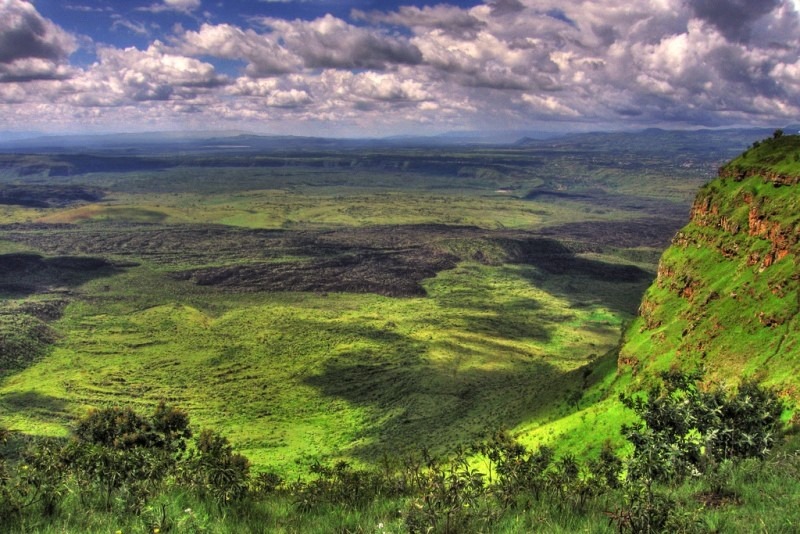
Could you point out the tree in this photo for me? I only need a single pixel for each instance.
(215, 470)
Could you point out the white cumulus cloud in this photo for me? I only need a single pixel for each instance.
(499, 64)
(31, 47)
(330, 42)
(263, 55)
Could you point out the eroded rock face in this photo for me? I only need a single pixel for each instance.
(761, 222)
(727, 294)
(775, 178)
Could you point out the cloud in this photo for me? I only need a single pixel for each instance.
(125, 76)
(134, 27)
(31, 69)
(656, 60)
(88, 9)
(264, 56)
(443, 17)
(506, 7)
(733, 18)
(548, 106)
(184, 6)
(499, 64)
(272, 92)
(373, 86)
(31, 47)
(330, 42)
(487, 60)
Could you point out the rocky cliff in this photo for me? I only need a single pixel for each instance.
(727, 294)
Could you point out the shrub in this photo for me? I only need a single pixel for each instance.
(118, 451)
(8, 503)
(684, 428)
(518, 471)
(450, 498)
(341, 485)
(215, 470)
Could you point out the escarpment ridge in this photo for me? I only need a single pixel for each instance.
(727, 293)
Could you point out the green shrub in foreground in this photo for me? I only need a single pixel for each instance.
(685, 430)
(144, 474)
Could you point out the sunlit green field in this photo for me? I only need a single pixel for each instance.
(327, 207)
(292, 377)
(500, 340)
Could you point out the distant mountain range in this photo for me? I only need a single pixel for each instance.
(240, 141)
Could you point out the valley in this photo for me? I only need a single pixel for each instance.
(313, 305)
(497, 308)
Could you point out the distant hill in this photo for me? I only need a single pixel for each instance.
(656, 141)
(229, 141)
(728, 141)
(727, 295)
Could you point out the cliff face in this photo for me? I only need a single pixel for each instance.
(727, 294)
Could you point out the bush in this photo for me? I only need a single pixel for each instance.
(8, 504)
(450, 497)
(215, 470)
(117, 451)
(686, 430)
(122, 428)
(683, 428)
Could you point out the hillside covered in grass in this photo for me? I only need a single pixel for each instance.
(727, 295)
(315, 305)
(347, 373)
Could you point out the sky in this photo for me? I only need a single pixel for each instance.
(362, 68)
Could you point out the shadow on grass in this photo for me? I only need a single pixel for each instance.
(25, 335)
(583, 283)
(466, 385)
(23, 274)
(552, 257)
(553, 267)
(586, 291)
(514, 319)
(35, 406)
(420, 404)
(442, 393)
(32, 401)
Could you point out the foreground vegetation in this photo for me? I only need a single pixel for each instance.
(694, 454)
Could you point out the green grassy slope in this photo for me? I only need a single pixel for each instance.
(294, 376)
(727, 294)
(726, 298)
(287, 355)
(509, 337)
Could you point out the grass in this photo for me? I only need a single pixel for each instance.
(739, 496)
(727, 297)
(498, 342)
(778, 154)
(295, 377)
(331, 207)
